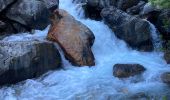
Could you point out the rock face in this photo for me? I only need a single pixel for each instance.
(5, 28)
(73, 37)
(150, 13)
(93, 7)
(166, 77)
(136, 9)
(4, 4)
(31, 13)
(24, 60)
(51, 4)
(135, 31)
(125, 4)
(163, 24)
(127, 70)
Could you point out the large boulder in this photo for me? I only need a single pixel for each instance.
(4, 4)
(24, 60)
(73, 37)
(127, 70)
(166, 77)
(135, 31)
(32, 13)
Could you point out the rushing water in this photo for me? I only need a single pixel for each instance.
(95, 83)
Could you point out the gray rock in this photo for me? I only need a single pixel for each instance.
(8, 27)
(4, 4)
(136, 9)
(135, 31)
(163, 23)
(125, 4)
(31, 13)
(93, 7)
(24, 60)
(5, 28)
(51, 4)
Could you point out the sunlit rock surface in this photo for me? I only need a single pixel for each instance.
(74, 38)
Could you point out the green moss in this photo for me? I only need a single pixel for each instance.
(164, 98)
(166, 23)
(161, 3)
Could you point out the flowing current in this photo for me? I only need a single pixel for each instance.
(98, 82)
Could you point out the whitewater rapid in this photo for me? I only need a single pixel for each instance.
(97, 82)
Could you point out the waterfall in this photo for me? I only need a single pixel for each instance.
(94, 83)
(156, 39)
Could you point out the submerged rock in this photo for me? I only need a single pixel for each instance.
(73, 37)
(127, 70)
(31, 13)
(23, 60)
(166, 77)
(135, 31)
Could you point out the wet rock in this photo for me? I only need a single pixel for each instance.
(166, 77)
(127, 70)
(23, 60)
(73, 37)
(135, 31)
(4, 4)
(31, 13)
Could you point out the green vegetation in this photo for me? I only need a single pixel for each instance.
(161, 3)
(166, 23)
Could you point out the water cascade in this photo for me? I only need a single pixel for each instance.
(97, 82)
